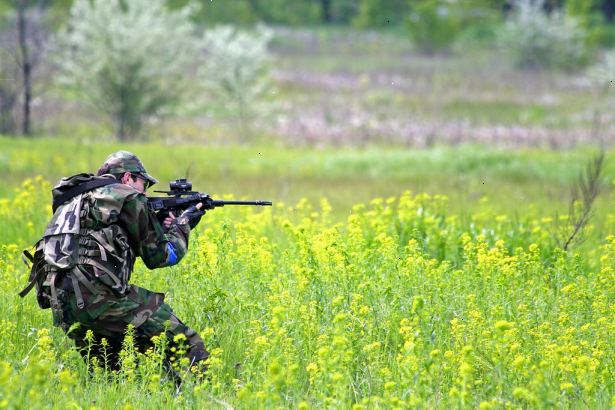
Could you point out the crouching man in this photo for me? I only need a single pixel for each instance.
(83, 264)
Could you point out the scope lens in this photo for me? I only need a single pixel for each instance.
(180, 185)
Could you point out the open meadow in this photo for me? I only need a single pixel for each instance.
(413, 257)
(392, 299)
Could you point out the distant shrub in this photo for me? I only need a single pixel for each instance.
(380, 13)
(590, 16)
(279, 12)
(285, 12)
(435, 25)
(602, 74)
(606, 35)
(138, 60)
(341, 11)
(128, 58)
(236, 11)
(537, 39)
(236, 72)
(476, 36)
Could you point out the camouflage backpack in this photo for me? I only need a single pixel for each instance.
(58, 250)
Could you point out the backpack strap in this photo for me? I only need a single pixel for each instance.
(81, 188)
(56, 307)
(34, 276)
(37, 275)
(27, 256)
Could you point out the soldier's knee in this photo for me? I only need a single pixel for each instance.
(193, 338)
(196, 351)
(193, 344)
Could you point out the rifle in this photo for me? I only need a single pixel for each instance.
(181, 196)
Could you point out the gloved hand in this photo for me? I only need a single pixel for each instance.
(191, 216)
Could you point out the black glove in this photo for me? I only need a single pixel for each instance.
(192, 216)
(161, 216)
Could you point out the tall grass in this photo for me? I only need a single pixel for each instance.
(345, 176)
(401, 303)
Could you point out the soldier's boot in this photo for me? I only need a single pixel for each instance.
(193, 349)
(197, 353)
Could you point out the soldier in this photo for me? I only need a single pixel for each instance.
(82, 266)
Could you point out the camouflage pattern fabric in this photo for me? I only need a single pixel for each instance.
(109, 316)
(115, 227)
(60, 240)
(124, 161)
(123, 206)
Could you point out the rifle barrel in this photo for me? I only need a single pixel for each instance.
(258, 203)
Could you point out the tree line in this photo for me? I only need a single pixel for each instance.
(130, 61)
(123, 68)
(365, 13)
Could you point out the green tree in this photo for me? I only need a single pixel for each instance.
(338, 11)
(435, 24)
(235, 12)
(129, 59)
(325, 11)
(236, 73)
(539, 39)
(380, 13)
(592, 17)
(608, 9)
(298, 12)
(24, 36)
(295, 13)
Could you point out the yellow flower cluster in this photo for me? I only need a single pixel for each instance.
(400, 304)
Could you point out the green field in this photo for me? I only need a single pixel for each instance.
(344, 175)
(454, 296)
(423, 250)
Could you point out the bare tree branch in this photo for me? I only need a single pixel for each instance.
(584, 192)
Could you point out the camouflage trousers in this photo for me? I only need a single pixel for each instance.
(108, 316)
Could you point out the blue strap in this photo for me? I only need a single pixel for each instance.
(172, 258)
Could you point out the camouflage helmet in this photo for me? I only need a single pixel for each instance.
(124, 161)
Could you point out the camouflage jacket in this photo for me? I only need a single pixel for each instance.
(115, 226)
(119, 225)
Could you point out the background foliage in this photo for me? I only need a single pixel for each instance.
(175, 79)
(127, 59)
